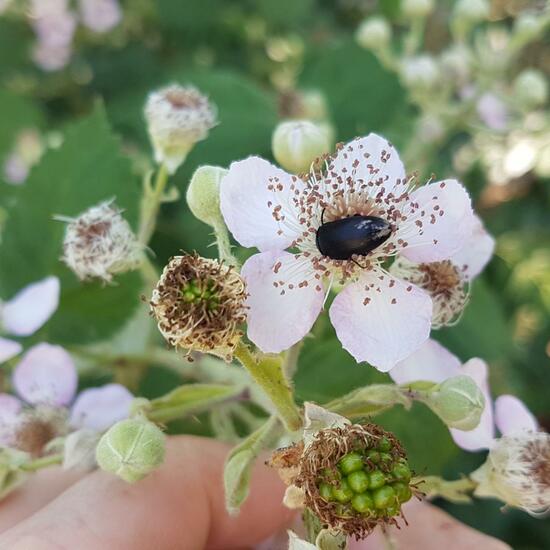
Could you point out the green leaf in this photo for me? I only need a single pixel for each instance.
(238, 467)
(86, 170)
(190, 399)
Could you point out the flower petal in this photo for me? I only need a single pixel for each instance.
(9, 349)
(99, 408)
(431, 362)
(317, 419)
(31, 307)
(250, 194)
(10, 407)
(381, 320)
(371, 159)
(476, 252)
(46, 374)
(511, 416)
(296, 543)
(280, 315)
(441, 222)
(481, 437)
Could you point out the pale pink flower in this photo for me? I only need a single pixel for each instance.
(447, 281)
(100, 15)
(26, 312)
(377, 317)
(434, 363)
(45, 381)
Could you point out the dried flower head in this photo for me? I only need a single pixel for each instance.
(100, 243)
(353, 477)
(199, 304)
(517, 471)
(177, 118)
(37, 427)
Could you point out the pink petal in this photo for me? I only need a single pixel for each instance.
(8, 349)
(381, 320)
(99, 408)
(371, 159)
(476, 252)
(482, 436)
(31, 307)
(492, 111)
(441, 235)
(249, 194)
(280, 316)
(431, 362)
(10, 407)
(511, 415)
(46, 374)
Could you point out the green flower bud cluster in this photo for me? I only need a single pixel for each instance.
(370, 482)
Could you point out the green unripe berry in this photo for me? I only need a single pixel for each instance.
(330, 474)
(384, 497)
(351, 463)
(373, 456)
(376, 479)
(386, 458)
(362, 503)
(325, 490)
(384, 444)
(342, 493)
(402, 491)
(131, 449)
(358, 481)
(401, 472)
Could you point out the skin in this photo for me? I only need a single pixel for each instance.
(181, 505)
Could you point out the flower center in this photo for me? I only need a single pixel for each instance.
(197, 292)
(441, 278)
(89, 232)
(181, 99)
(34, 434)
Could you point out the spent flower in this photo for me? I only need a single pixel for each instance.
(100, 243)
(378, 317)
(199, 304)
(177, 118)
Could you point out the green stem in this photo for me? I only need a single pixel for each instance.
(150, 205)
(414, 37)
(43, 462)
(267, 372)
(149, 271)
(224, 244)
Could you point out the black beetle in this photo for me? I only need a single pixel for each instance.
(343, 238)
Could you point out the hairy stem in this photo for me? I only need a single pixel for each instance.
(43, 462)
(150, 205)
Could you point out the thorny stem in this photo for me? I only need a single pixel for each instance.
(44, 462)
(150, 205)
(224, 244)
(267, 372)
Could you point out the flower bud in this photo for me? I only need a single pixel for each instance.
(417, 8)
(458, 401)
(203, 194)
(373, 33)
(516, 471)
(131, 449)
(528, 26)
(531, 88)
(296, 144)
(100, 243)
(471, 11)
(420, 73)
(199, 304)
(177, 118)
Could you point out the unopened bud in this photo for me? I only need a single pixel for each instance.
(420, 73)
(131, 449)
(297, 144)
(100, 243)
(458, 401)
(373, 33)
(203, 194)
(177, 118)
(531, 88)
(471, 11)
(516, 472)
(528, 26)
(417, 8)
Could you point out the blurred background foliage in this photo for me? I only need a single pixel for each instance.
(249, 57)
